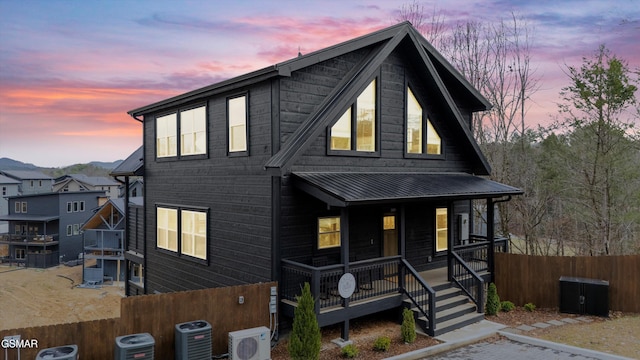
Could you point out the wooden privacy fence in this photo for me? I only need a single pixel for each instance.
(524, 278)
(157, 314)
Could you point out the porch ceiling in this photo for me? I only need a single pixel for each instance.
(348, 188)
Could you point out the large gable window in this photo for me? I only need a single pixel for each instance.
(356, 128)
(417, 123)
(237, 122)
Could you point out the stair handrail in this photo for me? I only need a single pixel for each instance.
(479, 301)
(430, 312)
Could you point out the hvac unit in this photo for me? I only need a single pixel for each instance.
(67, 352)
(193, 340)
(250, 344)
(134, 346)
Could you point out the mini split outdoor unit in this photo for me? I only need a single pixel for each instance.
(250, 344)
(193, 340)
(134, 346)
(66, 352)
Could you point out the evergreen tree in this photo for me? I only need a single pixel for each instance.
(493, 301)
(305, 340)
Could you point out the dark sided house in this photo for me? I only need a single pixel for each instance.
(352, 168)
(45, 229)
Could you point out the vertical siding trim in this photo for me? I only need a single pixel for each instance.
(275, 116)
(275, 227)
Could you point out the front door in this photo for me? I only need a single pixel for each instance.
(389, 235)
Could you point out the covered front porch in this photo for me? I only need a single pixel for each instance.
(391, 231)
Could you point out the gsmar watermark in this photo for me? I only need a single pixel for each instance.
(16, 342)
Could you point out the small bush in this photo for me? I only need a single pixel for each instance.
(408, 328)
(507, 306)
(382, 343)
(305, 340)
(350, 351)
(493, 300)
(529, 307)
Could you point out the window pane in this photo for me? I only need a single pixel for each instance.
(194, 233)
(389, 222)
(167, 225)
(328, 232)
(341, 132)
(193, 129)
(434, 144)
(237, 124)
(441, 229)
(366, 117)
(166, 135)
(414, 124)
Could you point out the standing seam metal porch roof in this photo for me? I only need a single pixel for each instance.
(347, 188)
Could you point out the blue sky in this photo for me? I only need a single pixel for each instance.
(70, 70)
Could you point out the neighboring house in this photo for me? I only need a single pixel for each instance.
(103, 235)
(45, 228)
(8, 187)
(133, 168)
(31, 182)
(354, 165)
(136, 188)
(82, 182)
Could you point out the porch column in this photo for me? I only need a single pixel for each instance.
(490, 237)
(344, 254)
(450, 222)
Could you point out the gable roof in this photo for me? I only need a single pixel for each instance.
(103, 212)
(7, 180)
(26, 175)
(133, 165)
(87, 180)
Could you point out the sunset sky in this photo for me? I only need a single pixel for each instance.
(70, 70)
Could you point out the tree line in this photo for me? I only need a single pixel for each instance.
(581, 174)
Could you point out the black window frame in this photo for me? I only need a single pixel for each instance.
(179, 156)
(242, 153)
(178, 253)
(426, 116)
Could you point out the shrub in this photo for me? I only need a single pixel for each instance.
(382, 343)
(529, 307)
(493, 300)
(507, 306)
(408, 328)
(350, 351)
(305, 337)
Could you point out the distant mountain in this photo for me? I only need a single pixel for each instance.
(10, 164)
(94, 168)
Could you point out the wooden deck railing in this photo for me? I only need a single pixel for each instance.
(468, 280)
(420, 293)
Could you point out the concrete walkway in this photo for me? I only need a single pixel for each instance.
(467, 343)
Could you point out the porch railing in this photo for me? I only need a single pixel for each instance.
(468, 280)
(475, 254)
(374, 277)
(420, 293)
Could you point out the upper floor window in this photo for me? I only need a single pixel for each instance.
(166, 136)
(417, 123)
(328, 232)
(4, 190)
(237, 123)
(356, 128)
(193, 131)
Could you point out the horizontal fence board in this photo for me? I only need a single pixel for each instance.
(524, 278)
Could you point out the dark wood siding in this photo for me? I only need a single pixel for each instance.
(235, 190)
(136, 229)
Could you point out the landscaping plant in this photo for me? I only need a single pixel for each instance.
(305, 340)
(493, 300)
(408, 328)
(507, 306)
(350, 351)
(382, 343)
(529, 307)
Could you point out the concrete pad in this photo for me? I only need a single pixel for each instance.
(341, 342)
(541, 325)
(512, 330)
(556, 322)
(525, 328)
(570, 321)
(479, 329)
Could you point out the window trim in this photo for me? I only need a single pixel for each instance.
(245, 152)
(178, 126)
(178, 252)
(426, 117)
(24, 207)
(353, 106)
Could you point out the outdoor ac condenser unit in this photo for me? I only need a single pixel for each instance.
(193, 340)
(250, 344)
(66, 352)
(135, 346)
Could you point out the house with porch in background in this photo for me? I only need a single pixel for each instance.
(352, 168)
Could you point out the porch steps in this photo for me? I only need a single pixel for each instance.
(454, 309)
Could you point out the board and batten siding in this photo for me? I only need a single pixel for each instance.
(235, 190)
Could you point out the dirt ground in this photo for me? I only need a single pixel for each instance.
(34, 297)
